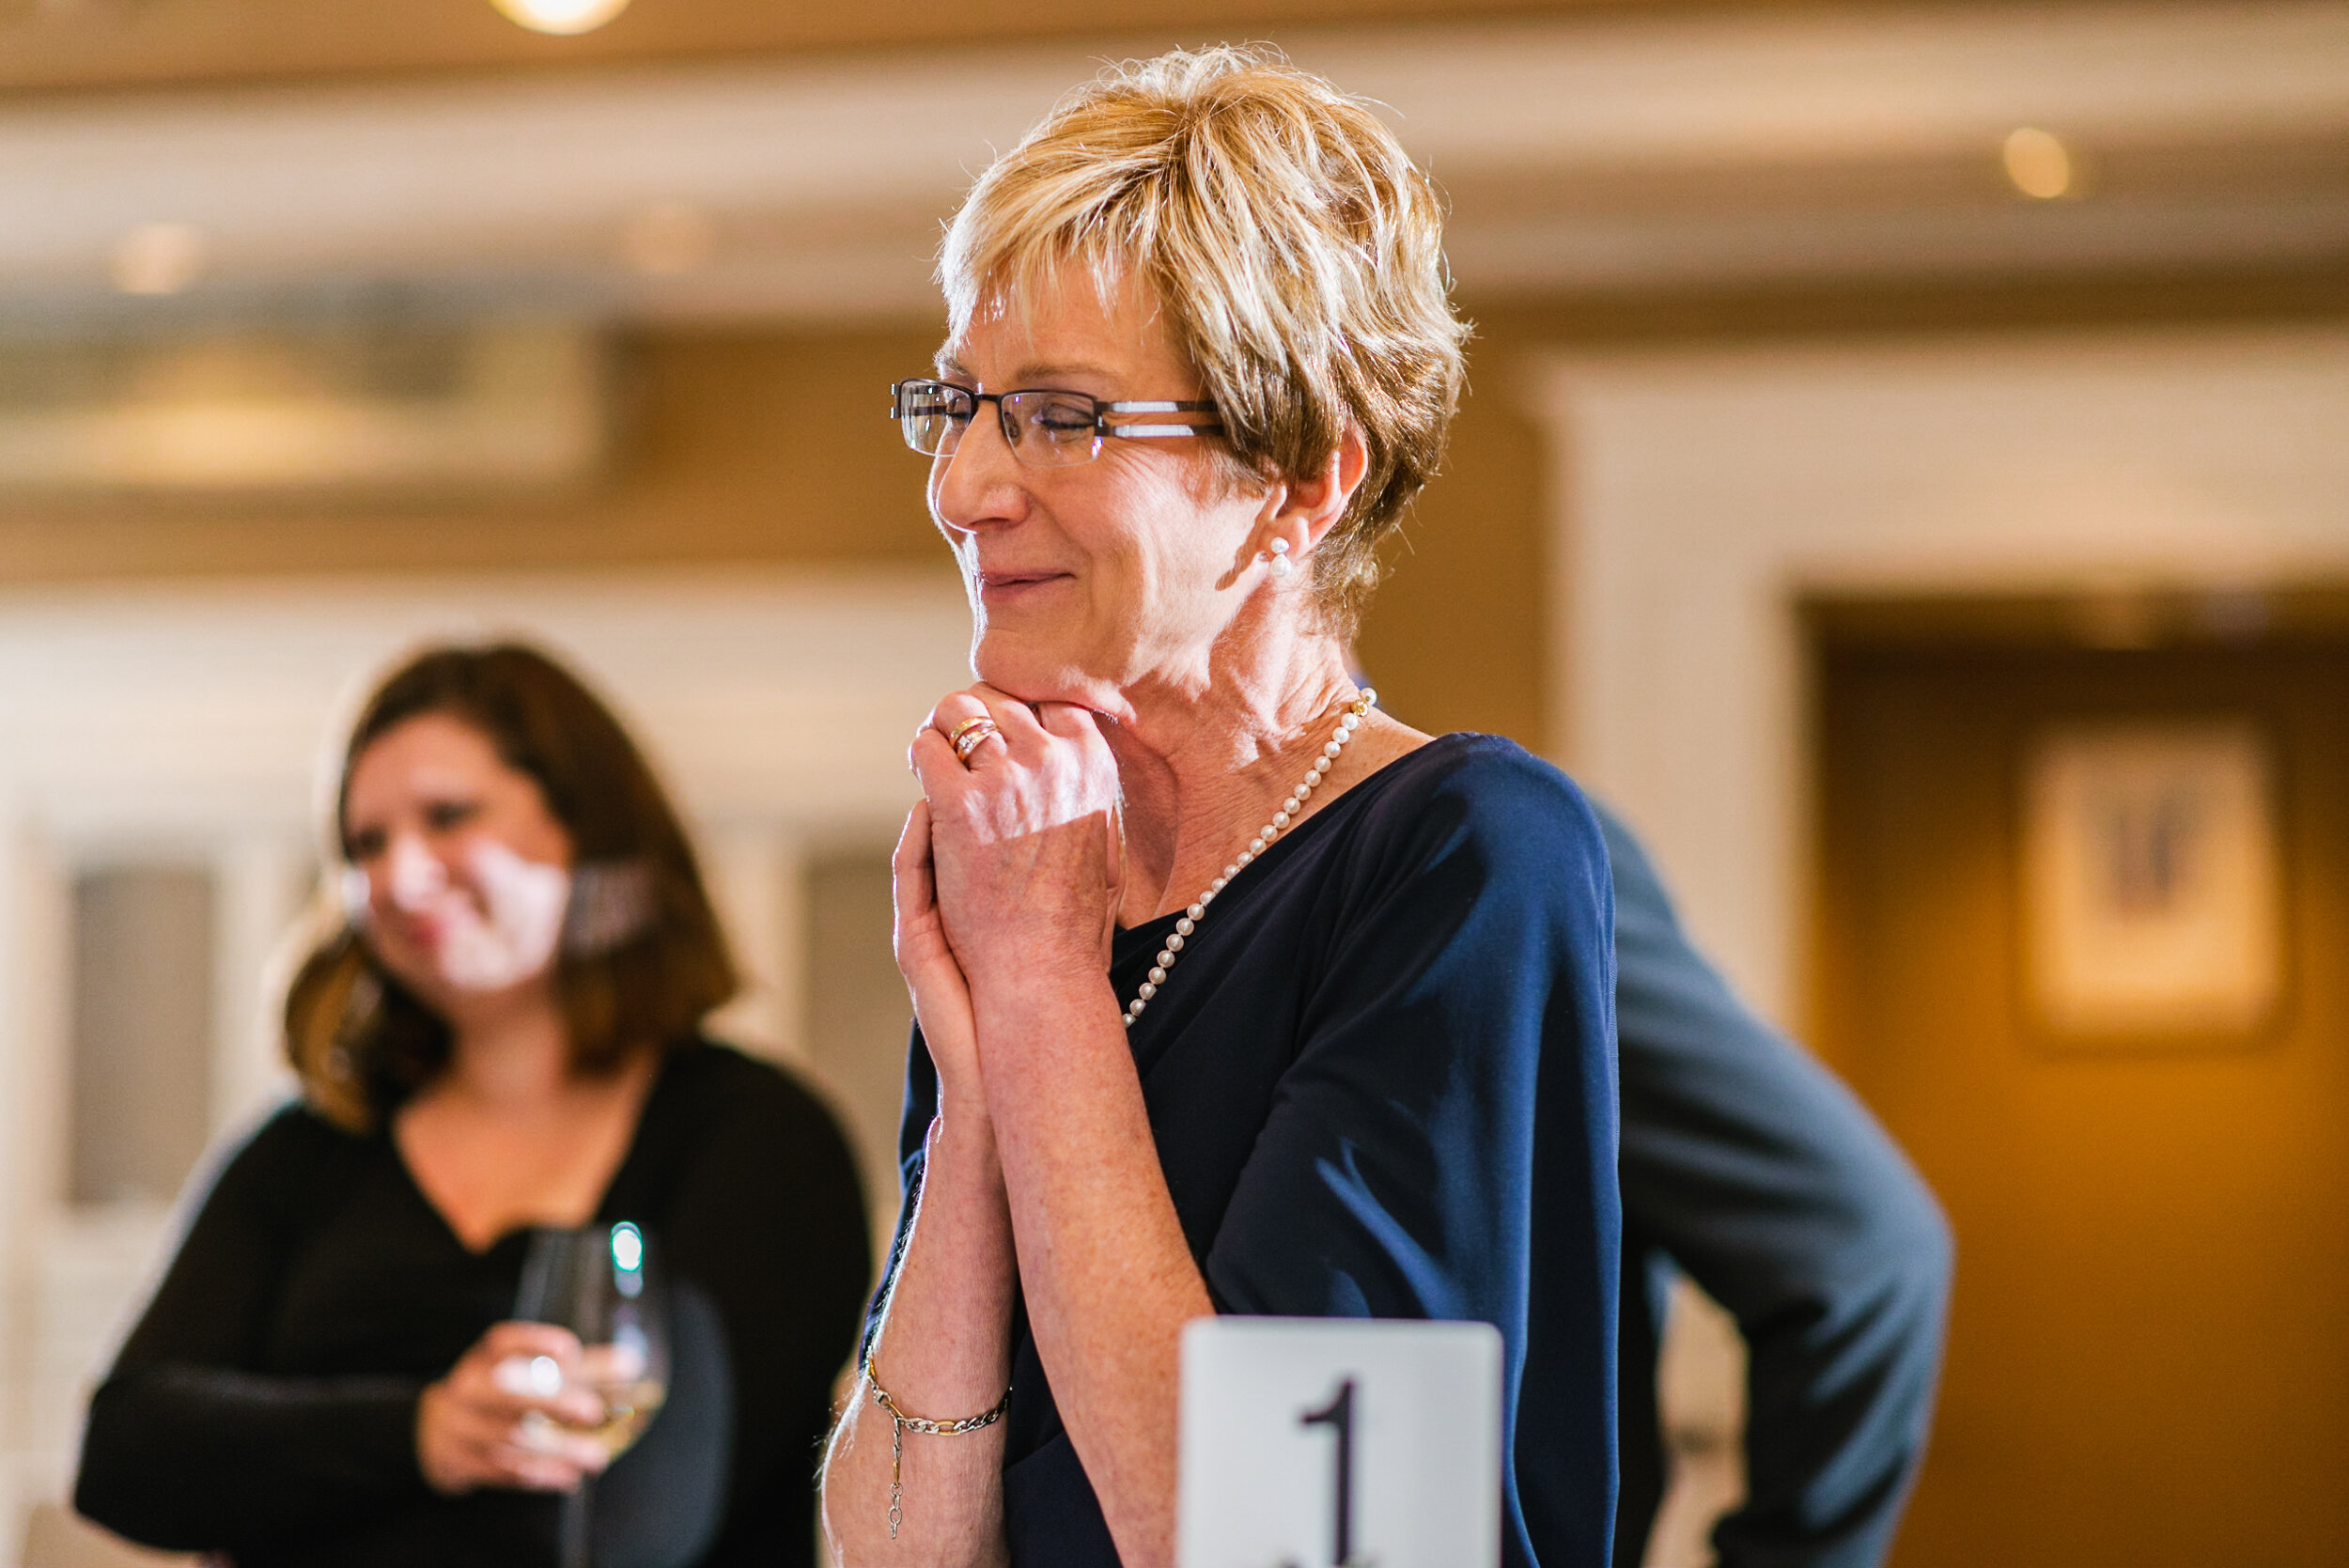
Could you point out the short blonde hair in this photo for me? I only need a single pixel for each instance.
(1296, 249)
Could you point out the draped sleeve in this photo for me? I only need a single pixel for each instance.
(1443, 1144)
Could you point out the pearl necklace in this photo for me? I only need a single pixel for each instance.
(1352, 721)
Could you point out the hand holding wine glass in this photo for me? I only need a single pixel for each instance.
(471, 1424)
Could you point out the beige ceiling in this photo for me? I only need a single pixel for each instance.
(67, 44)
(1615, 152)
(1612, 151)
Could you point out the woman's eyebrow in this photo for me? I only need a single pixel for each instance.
(1042, 373)
(1045, 373)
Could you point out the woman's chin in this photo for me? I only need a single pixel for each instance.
(1016, 667)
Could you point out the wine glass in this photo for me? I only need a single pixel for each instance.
(603, 1285)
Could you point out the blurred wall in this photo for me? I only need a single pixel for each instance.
(768, 447)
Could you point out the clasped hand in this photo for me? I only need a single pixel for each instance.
(1009, 870)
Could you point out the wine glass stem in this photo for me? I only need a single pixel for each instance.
(578, 1526)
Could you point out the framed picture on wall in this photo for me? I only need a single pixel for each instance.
(2152, 907)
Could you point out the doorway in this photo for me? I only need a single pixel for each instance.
(2149, 1350)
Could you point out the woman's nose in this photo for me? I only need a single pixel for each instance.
(412, 874)
(979, 482)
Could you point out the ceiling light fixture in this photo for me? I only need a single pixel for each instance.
(157, 258)
(2038, 163)
(561, 17)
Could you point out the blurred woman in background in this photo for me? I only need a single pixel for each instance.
(501, 1035)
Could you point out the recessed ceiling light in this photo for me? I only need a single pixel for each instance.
(563, 16)
(668, 238)
(157, 258)
(2038, 163)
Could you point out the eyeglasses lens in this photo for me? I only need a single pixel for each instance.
(933, 414)
(1050, 430)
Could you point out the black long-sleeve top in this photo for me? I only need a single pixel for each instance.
(1747, 1164)
(265, 1405)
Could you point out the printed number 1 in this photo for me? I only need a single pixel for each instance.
(1338, 1415)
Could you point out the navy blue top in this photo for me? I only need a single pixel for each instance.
(1382, 1084)
(1747, 1164)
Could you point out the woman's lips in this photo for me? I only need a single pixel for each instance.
(1010, 587)
(423, 933)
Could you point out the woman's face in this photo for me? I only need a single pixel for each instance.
(460, 874)
(1088, 580)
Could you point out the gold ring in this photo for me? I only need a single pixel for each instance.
(969, 736)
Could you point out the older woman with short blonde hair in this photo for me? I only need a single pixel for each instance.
(1232, 993)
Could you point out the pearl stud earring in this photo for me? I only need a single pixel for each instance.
(1281, 565)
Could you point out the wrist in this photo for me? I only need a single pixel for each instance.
(1027, 942)
(1035, 979)
(965, 1142)
(1040, 1022)
(428, 1468)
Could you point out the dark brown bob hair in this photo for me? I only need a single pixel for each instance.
(363, 1043)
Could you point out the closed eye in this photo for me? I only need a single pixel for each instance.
(1063, 417)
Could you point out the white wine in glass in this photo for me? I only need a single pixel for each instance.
(620, 1374)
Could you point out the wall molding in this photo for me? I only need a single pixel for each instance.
(1701, 494)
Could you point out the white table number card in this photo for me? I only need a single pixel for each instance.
(1339, 1443)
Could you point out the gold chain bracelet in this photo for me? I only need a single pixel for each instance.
(900, 1423)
